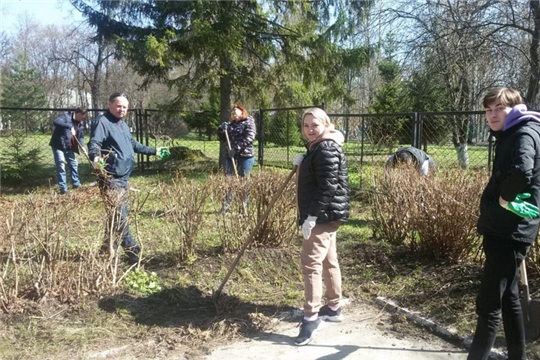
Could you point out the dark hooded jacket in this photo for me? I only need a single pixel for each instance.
(110, 137)
(418, 155)
(61, 138)
(323, 186)
(516, 169)
(241, 135)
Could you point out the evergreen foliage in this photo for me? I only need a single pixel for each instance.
(22, 88)
(19, 161)
(248, 50)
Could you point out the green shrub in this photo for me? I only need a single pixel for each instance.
(18, 160)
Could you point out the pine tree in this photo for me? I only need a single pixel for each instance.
(22, 89)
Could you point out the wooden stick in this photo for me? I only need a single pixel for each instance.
(229, 145)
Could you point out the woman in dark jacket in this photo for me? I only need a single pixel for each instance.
(238, 137)
(323, 204)
(508, 220)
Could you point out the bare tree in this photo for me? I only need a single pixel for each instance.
(452, 38)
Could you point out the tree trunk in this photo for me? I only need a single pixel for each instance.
(225, 88)
(534, 77)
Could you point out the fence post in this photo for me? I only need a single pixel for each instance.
(139, 136)
(417, 133)
(260, 159)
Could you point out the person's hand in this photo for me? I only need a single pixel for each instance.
(231, 153)
(163, 152)
(298, 160)
(99, 162)
(308, 225)
(223, 125)
(522, 208)
(73, 132)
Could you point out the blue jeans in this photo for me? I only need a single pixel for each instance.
(498, 294)
(61, 158)
(243, 167)
(117, 222)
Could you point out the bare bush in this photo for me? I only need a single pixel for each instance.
(434, 216)
(257, 191)
(184, 202)
(391, 204)
(45, 255)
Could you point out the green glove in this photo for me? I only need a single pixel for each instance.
(163, 152)
(99, 162)
(523, 208)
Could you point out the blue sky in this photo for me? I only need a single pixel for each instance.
(45, 12)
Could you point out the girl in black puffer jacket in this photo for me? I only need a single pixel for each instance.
(323, 204)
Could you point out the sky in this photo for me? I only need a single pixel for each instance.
(45, 12)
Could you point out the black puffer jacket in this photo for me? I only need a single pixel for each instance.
(516, 169)
(323, 182)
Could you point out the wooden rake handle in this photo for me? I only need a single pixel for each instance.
(251, 236)
(229, 148)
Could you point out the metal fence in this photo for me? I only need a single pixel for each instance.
(453, 139)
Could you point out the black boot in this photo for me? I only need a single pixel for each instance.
(133, 254)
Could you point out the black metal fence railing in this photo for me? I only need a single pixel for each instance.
(453, 139)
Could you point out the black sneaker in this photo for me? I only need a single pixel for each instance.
(133, 254)
(308, 329)
(327, 314)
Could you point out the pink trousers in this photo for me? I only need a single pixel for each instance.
(320, 264)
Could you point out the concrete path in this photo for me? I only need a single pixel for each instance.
(361, 336)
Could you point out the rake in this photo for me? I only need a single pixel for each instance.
(251, 236)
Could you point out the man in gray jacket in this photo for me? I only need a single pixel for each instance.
(112, 147)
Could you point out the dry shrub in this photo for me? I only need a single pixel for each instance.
(259, 189)
(184, 202)
(434, 216)
(45, 255)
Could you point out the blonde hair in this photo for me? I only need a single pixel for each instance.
(318, 114)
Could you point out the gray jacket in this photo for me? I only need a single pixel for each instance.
(110, 138)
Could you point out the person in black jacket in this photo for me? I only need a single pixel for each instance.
(112, 147)
(413, 157)
(508, 220)
(67, 130)
(323, 204)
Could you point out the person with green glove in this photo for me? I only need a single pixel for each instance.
(508, 220)
(112, 148)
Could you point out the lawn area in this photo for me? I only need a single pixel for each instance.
(69, 300)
